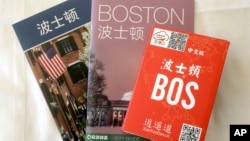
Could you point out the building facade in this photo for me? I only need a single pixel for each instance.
(61, 69)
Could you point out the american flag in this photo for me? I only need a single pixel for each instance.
(52, 63)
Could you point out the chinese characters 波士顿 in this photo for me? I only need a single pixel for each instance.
(121, 33)
(181, 68)
(67, 17)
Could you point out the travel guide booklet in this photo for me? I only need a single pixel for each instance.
(56, 43)
(119, 34)
(176, 86)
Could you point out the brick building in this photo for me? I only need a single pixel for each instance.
(64, 85)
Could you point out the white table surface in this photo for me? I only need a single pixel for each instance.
(24, 115)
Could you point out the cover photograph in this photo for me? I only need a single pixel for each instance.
(56, 45)
(119, 35)
(176, 86)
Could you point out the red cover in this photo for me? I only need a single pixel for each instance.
(176, 86)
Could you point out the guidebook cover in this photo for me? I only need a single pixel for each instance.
(119, 35)
(56, 43)
(176, 86)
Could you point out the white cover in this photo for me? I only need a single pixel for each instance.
(24, 115)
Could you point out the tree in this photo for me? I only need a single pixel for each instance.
(97, 83)
(98, 103)
(84, 51)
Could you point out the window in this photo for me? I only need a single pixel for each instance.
(66, 45)
(32, 59)
(78, 72)
(61, 80)
(46, 46)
